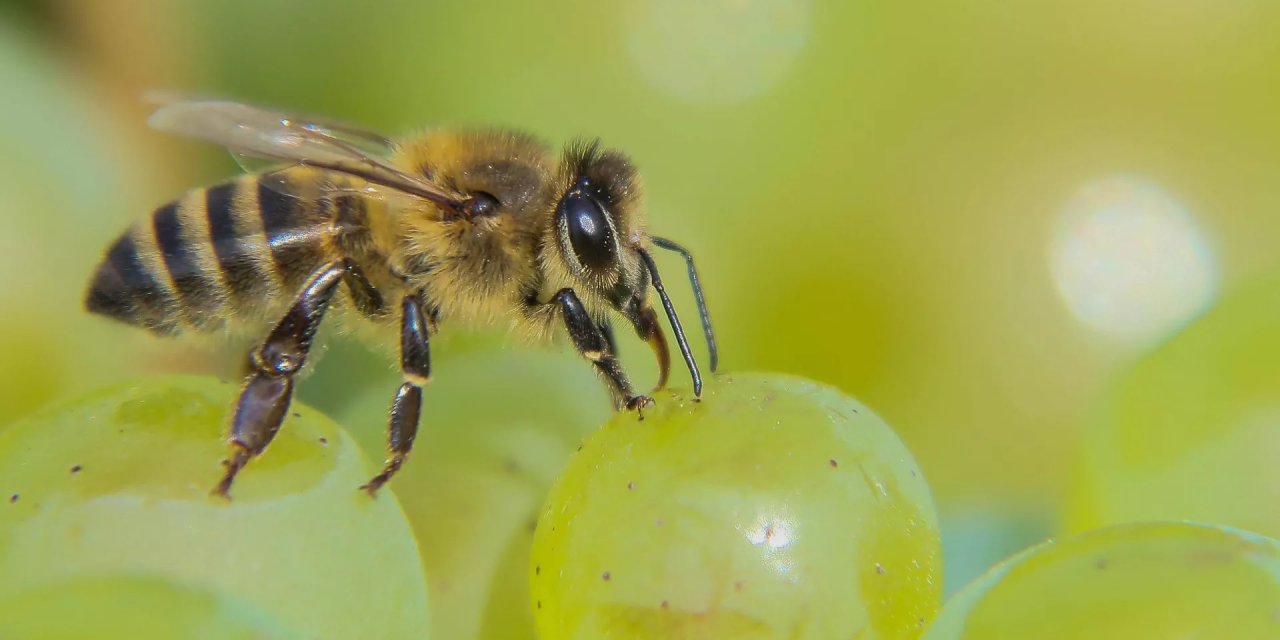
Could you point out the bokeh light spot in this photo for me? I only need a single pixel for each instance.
(1130, 261)
(715, 51)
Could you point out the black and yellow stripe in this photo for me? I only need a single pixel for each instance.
(295, 232)
(237, 249)
(179, 237)
(126, 288)
(235, 259)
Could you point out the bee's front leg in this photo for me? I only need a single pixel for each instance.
(406, 407)
(592, 343)
(264, 401)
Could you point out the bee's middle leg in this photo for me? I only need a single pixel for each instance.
(264, 401)
(593, 344)
(406, 407)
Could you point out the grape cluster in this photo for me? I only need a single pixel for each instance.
(771, 507)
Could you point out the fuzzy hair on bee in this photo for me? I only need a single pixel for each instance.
(443, 227)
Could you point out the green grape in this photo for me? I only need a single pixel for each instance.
(119, 481)
(106, 608)
(497, 428)
(1142, 580)
(772, 508)
(1191, 431)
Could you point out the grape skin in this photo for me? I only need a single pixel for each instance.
(772, 508)
(1143, 580)
(136, 608)
(118, 482)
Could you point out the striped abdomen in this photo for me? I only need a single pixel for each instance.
(239, 249)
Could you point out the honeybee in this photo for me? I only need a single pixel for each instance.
(463, 226)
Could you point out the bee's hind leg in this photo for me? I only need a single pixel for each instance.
(406, 407)
(264, 402)
(595, 346)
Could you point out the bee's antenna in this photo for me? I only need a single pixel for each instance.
(663, 243)
(681, 341)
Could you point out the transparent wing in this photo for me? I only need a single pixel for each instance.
(368, 141)
(254, 135)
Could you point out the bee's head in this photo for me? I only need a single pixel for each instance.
(597, 225)
(600, 243)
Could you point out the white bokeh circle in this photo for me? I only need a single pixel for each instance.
(715, 52)
(1130, 261)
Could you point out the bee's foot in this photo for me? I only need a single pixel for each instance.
(371, 487)
(223, 490)
(233, 467)
(393, 465)
(639, 404)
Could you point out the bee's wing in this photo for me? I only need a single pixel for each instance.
(279, 138)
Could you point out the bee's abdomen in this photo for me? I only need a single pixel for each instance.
(126, 287)
(233, 250)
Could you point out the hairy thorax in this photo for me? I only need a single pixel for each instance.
(471, 272)
(475, 270)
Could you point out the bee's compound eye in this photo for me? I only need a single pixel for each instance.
(481, 204)
(590, 235)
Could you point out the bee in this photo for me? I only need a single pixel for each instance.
(465, 226)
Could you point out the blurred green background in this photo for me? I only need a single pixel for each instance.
(973, 216)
